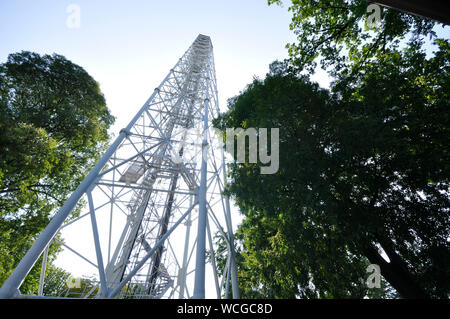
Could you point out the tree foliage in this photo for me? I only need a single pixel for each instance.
(53, 126)
(336, 33)
(363, 167)
(364, 171)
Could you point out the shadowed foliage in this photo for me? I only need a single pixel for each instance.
(53, 126)
(363, 175)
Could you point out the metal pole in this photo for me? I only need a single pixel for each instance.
(98, 251)
(184, 265)
(225, 272)
(199, 282)
(229, 225)
(227, 286)
(111, 213)
(43, 267)
(233, 268)
(213, 259)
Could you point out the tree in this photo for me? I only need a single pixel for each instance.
(335, 33)
(53, 127)
(364, 171)
(285, 253)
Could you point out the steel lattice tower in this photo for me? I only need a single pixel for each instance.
(163, 171)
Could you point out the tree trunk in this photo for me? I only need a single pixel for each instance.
(395, 274)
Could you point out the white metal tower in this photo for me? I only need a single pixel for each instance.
(154, 200)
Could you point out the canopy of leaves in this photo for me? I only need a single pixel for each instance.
(364, 172)
(336, 33)
(53, 127)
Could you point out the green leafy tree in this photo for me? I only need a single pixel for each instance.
(363, 169)
(284, 252)
(336, 34)
(53, 126)
(363, 172)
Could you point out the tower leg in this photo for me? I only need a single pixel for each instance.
(199, 283)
